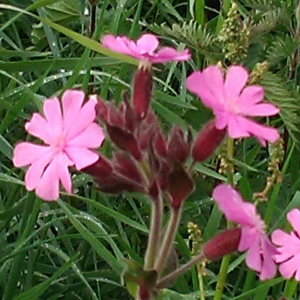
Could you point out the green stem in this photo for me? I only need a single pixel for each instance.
(180, 270)
(201, 283)
(226, 259)
(155, 232)
(168, 240)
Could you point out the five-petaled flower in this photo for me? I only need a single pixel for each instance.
(289, 247)
(68, 134)
(232, 102)
(253, 236)
(144, 49)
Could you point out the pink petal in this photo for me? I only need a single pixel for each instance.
(237, 127)
(170, 54)
(91, 137)
(253, 258)
(39, 127)
(248, 236)
(213, 78)
(251, 95)
(208, 85)
(294, 218)
(81, 157)
(53, 115)
(147, 43)
(48, 186)
(288, 268)
(263, 109)
(222, 119)
(280, 237)
(63, 172)
(236, 79)
(232, 205)
(35, 171)
(268, 269)
(116, 44)
(71, 103)
(28, 153)
(84, 118)
(261, 132)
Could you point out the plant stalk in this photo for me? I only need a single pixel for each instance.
(155, 232)
(171, 276)
(226, 259)
(168, 240)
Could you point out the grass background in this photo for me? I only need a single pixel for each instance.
(73, 248)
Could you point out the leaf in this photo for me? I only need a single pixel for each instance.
(276, 92)
(193, 35)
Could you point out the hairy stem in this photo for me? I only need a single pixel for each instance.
(180, 270)
(168, 240)
(155, 232)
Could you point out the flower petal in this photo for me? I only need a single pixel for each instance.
(27, 153)
(263, 109)
(294, 218)
(196, 83)
(170, 54)
(85, 116)
(48, 186)
(91, 137)
(268, 269)
(71, 103)
(36, 170)
(116, 44)
(147, 43)
(53, 115)
(261, 132)
(81, 157)
(63, 172)
(236, 78)
(250, 95)
(237, 127)
(39, 127)
(231, 204)
(253, 258)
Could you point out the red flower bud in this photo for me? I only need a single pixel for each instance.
(102, 167)
(124, 140)
(178, 148)
(208, 140)
(180, 185)
(142, 90)
(222, 244)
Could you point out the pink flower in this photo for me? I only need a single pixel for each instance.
(232, 102)
(144, 49)
(289, 247)
(253, 236)
(68, 135)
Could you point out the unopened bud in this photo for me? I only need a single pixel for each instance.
(178, 147)
(142, 90)
(208, 140)
(222, 244)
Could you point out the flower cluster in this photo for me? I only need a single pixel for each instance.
(147, 160)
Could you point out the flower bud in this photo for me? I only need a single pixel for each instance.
(208, 140)
(222, 244)
(142, 90)
(180, 185)
(102, 167)
(178, 147)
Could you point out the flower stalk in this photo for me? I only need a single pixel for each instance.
(155, 232)
(168, 240)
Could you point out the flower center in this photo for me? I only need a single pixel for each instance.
(59, 143)
(231, 106)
